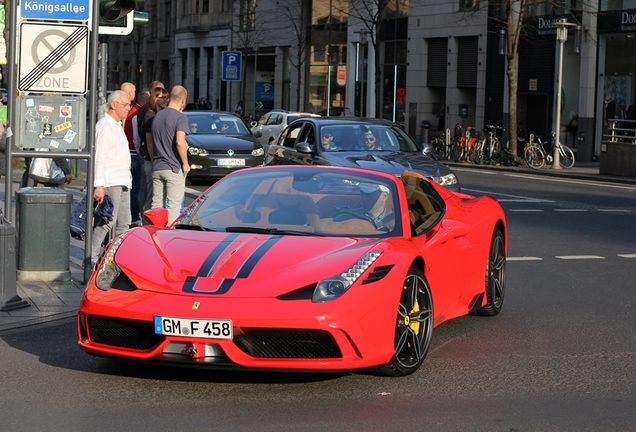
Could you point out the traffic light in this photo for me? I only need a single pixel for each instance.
(118, 17)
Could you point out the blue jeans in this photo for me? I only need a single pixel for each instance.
(137, 171)
(170, 187)
(121, 218)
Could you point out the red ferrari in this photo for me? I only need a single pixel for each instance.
(298, 268)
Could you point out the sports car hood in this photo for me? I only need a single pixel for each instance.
(232, 264)
(223, 142)
(390, 162)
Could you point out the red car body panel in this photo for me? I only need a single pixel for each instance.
(242, 277)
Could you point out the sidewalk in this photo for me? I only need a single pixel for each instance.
(50, 301)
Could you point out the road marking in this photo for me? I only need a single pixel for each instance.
(613, 210)
(627, 255)
(525, 210)
(576, 257)
(581, 182)
(511, 198)
(570, 210)
(524, 259)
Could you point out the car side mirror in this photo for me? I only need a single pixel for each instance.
(305, 147)
(258, 134)
(427, 149)
(157, 217)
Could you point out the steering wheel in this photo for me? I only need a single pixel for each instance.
(347, 214)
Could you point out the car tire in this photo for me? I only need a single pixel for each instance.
(414, 327)
(495, 276)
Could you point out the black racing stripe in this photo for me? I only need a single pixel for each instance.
(209, 262)
(225, 287)
(251, 262)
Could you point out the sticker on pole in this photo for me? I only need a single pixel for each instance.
(53, 58)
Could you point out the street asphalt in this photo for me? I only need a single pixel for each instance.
(46, 301)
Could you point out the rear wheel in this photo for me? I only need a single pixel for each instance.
(534, 156)
(414, 327)
(495, 146)
(495, 276)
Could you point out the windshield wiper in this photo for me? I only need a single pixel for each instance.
(271, 231)
(192, 227)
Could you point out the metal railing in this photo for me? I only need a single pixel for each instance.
(620, 130)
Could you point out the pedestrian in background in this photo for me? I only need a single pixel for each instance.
(238, 109)
(169, 154)
(158, 100)
(136, 163)
(142, 152)
(112, 170)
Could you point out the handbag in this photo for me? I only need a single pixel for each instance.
(45, 170)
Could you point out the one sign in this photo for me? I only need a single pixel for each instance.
(231, 66)
(3, 45)
(264, 90)
(52, 122)
(342, 75)
(53, 58)
(56, 10)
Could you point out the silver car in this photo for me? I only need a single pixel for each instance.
(272, 124)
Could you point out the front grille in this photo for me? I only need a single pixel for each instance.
(288, 344)
(123, 333)
(224, 152)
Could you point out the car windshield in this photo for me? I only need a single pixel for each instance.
(206, 123)
(299, 201)
(370, 137)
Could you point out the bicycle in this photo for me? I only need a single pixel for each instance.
(441, 146)
(536, 154)
(487, 147)
(463, 145)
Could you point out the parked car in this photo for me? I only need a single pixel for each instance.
(272, 124)
(284, 268)
(301, 142)
(219, 143)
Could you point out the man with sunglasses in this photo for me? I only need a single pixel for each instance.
(371, 142)
(327, 142)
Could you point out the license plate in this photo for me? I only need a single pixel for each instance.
(231, 162)
(211, 329)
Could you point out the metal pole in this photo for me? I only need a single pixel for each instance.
(11, 102)
(255, 75)
(562, 36)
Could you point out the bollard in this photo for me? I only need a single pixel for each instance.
(9, 299)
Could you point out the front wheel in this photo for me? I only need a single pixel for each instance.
(495, 276)
(566, 157)
(457, 150)
(495, 147)
(439, 147)
(534, 156)
(414, 327)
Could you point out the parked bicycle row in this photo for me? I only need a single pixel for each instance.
(466, 144)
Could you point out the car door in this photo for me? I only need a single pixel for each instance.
(445, 244)
(282, 151)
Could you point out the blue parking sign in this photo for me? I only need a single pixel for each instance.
(231, 66)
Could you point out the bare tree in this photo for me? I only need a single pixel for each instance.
(370, 14)
(247, 33)
(298, 16)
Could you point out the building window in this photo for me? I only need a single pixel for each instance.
(168, 18)
(247, 15)
(205, 6)
(468, 4)
(153, 20)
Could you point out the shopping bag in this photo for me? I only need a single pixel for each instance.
(45, 170)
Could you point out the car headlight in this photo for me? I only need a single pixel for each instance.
(108, 270)
(448, 179)
(258, 151)
(334, 287)
(197, 151)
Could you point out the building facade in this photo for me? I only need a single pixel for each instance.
(415, 62)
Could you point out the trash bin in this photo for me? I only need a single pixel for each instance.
(426, 127)
(43, 225)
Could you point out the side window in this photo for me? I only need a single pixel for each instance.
(263, 120)
(426, 206)
(288, 137)
(272, 119)
(307, 135)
